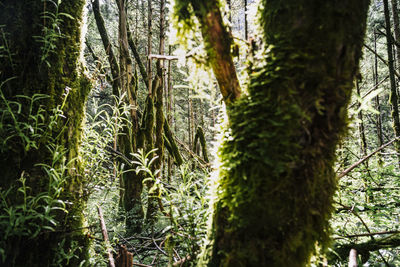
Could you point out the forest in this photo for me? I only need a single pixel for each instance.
(199, 133)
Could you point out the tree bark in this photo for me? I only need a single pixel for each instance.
(112, 60)
(377, 101)
(361, 129)
(393, 88)
(131, 181)
(149, 45)
(396, 27)
(218, 43)
(273, 198)
(51, 68)
(159, 127)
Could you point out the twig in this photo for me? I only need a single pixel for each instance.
(105, 236)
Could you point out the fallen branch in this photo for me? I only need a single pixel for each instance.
(105, 236)
(340, 251)
(372, 234)
(349, 169)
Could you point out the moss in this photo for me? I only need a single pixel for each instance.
(35, 76)
(273, 195)
(173, 148)
(199, 136)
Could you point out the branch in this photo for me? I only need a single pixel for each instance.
(349, 169)
(163, 57)
(107, 46)
(370, 90)
(136, 55)
(105, 236)
(372, 234)
(218, 43)
(340, 251)
(382, 59)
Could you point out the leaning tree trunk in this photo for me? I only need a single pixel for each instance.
(43, 58)
(273, 198)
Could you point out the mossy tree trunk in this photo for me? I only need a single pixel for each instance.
(153, 198)
(131, 181)
(273, 197)
(44, 59)
(124, 82)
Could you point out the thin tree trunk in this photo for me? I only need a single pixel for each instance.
(377, 104)
(169, 107)
(361, 129)
(189, 117)
(393, 88)
(107, 47)
(396, 27)
(246, 30)
(149, 45)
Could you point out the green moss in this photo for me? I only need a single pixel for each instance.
(273, 195)
(34, 76)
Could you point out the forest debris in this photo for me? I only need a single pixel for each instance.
(182, 261)
(105, 236)
(124, 257)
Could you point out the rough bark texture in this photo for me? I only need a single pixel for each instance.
(159, 123)
(273, 196)
(199, 137)
(218, 43)
(132, 182)
(51, 72)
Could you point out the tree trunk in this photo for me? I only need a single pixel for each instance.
(246, 30)
(377, 102)
(361, 129)
(273, 198)
(159, 127)
(393, 89)
(43, 59)
(149, 44)
(396, 27)
(107, 47)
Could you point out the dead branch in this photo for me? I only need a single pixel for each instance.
(349, 169)
(105, 236)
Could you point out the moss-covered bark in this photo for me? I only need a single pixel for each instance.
(172, 146)
(273, 196)
(38, 67)
(200, 137)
